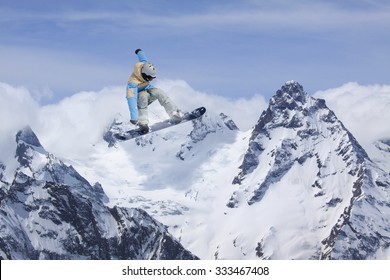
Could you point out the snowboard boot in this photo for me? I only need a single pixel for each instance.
(176, 118)
(144, 128)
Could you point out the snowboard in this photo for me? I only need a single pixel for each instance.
(133, 133)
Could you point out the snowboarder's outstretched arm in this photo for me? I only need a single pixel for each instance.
(141, 55)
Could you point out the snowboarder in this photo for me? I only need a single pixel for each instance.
(140, 94)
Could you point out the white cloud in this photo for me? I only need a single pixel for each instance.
(73, 125)
(244, 112)
(364, 110)
(70, 126)
(17, 109)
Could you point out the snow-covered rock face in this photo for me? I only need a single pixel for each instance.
(302, 158)
(294, 121)
(50, 211)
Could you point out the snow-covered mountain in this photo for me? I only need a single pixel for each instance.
(301, 157)
(296, 186)
(49, 211)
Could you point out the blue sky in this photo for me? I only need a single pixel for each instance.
(229, 48)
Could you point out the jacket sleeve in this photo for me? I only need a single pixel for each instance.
(132, 97)
(141, 56)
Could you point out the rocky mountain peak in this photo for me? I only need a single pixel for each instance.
(295, 117)
(288, 108)
(290, 95)
(27, 136)
(27, 144)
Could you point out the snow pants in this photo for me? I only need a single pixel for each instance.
(146, 97)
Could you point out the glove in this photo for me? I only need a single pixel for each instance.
(135, 122)
(137, 50)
